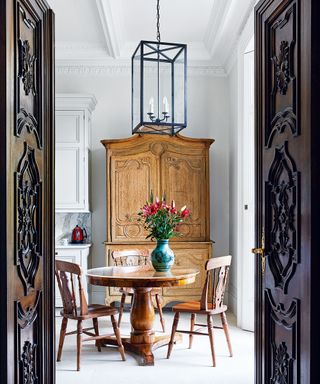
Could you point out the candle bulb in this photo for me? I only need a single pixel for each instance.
(151, 105)
(165, 105)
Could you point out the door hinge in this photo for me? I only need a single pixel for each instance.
(261, 251)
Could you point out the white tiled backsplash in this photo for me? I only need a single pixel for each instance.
(65, 222)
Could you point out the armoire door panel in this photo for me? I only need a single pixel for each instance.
(133, 177)
(190, 190)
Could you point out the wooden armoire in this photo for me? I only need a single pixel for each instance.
(177, 166)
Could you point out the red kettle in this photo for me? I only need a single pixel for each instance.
(78, 235)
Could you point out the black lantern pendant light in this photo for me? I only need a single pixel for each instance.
(159, 73)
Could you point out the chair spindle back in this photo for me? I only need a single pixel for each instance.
(63, 271)
(134, 257)
(217, 273)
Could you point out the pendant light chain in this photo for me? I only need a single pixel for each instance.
(158, 21)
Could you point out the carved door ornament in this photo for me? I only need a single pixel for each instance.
(27, 63)
(281, 215)
(282, 67)
(28, 218)
(28, 364)
(281, 364)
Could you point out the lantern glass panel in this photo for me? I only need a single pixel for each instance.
(151, 87)
(179, 90)
(136, 83)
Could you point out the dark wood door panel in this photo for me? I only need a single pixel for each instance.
(26, 171)
(285, 154)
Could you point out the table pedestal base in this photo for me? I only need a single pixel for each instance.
(143, 352)
(142, 340)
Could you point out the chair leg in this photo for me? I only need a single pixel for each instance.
(192, 321)
(159, 306)
(118, 337)
(211, 337)
(174, 328)
(96, 331)
(123, 299)
(62, 336)
(226, 331)
(79, 336)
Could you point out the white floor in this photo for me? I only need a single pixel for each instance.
(185, 366)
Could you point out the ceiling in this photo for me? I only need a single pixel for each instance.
(101, 32)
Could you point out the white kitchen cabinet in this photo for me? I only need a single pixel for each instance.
(74, 254)
(73, 140)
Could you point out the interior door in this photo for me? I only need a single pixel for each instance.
(26, 192)
(287, 139)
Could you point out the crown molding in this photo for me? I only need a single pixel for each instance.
(65, 101)
(244, 36)
(118, 67)
(227, 22)
(217, 19)
(109, 27)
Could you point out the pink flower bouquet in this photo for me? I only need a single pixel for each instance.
(161, 220)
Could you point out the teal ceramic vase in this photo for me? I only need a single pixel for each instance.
(162, 257)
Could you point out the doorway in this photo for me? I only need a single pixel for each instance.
(246, 196)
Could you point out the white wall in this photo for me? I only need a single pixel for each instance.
(208, 116)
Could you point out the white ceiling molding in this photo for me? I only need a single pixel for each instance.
(112, 34)
(217, 19)
(244, 36)
(123, 68)
(76, 101)
(226, 23)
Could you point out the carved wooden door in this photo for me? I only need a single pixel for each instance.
(287, 126)
(26, 190)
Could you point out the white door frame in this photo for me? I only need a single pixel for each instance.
(244, 40)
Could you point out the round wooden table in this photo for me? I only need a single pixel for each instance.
(142, 340)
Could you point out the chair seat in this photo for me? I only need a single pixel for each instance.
(194, 307)
(94, 310)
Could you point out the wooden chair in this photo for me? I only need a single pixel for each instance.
(217, 269)
(131, 258)
(83, 312)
